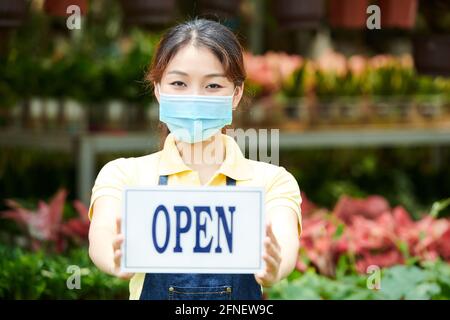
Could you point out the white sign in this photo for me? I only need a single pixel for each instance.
(175, 229)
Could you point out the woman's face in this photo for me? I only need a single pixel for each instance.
(197, 71)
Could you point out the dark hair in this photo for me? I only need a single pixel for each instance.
(199, 32)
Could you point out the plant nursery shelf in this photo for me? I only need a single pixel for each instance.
(85, 146)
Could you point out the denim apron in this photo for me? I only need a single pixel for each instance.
(200, 286)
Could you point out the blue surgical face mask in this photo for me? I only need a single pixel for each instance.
(195, 118)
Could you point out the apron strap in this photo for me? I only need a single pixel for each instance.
(163, 180)
(230, 181)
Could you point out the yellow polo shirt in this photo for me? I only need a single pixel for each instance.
(281, 188)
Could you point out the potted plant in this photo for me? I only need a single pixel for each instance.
(12, 13)
(267, 73)
(8, 100)
(351, 99)
(299, 14)
(351, 90)
(348, 13)
(58, 8)
(294, 95)
(431, 54)
(398, 13)
(333, 84)
(391, 87)
(223, 9)
(430, 96)
(86, 88)
(325, 108)
(8, 96)
(134, 92)
(431, 44)
(148, 13)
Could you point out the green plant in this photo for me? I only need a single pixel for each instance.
(297, 85)
(134, 66)
(99, 64)
(439, 206)
(430, 280)
(26, 275)
(391, 80)
(312, 286)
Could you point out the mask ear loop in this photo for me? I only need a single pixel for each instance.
(159, 89)
(232, 99)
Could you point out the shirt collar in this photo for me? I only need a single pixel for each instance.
(235, 165)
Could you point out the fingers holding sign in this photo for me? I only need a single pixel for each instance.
(272, 259)
(117, 245)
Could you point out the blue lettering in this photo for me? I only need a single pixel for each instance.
(228, 231)
(224, 222)
(178, 211)
(161, 208)
(201, 227)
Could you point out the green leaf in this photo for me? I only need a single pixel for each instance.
(339, 232)
(438, 206)
(423, 291)
(398, 281)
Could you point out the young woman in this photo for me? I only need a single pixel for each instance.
(198, 77)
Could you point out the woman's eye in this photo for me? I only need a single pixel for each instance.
(214, 86)
(178, 83)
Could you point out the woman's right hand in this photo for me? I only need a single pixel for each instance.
(117, 244)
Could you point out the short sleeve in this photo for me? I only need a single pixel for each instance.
(110, 181)
(284, 192)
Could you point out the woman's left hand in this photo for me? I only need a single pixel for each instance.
(272, 257)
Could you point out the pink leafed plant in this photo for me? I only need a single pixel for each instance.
(370, 232)
(44, 226)
(77, 228)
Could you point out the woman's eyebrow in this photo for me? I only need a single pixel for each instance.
(211, 75)
(178, 72)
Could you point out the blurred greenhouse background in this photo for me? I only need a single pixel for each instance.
(364, 119)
